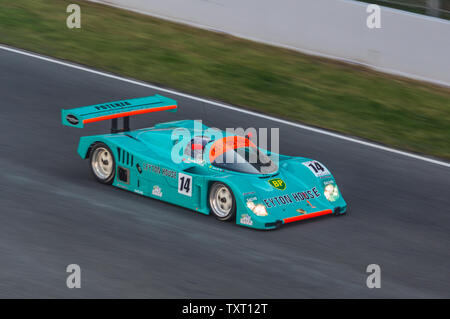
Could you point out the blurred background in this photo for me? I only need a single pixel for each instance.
(434, 8)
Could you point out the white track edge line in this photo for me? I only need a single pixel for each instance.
(222, 105)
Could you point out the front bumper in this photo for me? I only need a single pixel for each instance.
(277, 224)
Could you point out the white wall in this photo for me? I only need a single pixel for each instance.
(407, 44)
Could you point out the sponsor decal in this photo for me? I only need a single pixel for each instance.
(309, 203)
(278, 183)
(151, 168)
(247, 194)
(72, 119)
(139, 191)
(215, 168)
(157, 191)
(246, 220)
(112, 105)
(155, 169)
(169, 173)
(291, 198)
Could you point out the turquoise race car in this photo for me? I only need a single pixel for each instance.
(203, 169)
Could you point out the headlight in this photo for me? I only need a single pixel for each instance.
(259, 209)
(331, 192)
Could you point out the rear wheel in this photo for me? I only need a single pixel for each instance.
(103, 165)
(222, 202)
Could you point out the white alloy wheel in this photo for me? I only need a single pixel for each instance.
(222, 202)
(102, 163)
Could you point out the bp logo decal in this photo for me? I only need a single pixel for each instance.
(278, 183)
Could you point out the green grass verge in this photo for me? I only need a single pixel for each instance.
(402, 113)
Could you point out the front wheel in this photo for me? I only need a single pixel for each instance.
(222, 202)
(103, 165)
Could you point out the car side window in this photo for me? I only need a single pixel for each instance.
(195, 147)
(188, 150)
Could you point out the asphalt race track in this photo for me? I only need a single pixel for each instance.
(53, 212)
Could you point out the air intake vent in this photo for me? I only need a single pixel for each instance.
(269, 176)
(124, 157)
(124, 174)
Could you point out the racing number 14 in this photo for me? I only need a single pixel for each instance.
(317, 168)
(185, 184)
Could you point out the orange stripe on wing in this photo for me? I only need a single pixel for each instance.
(123, 114)
(308, 216)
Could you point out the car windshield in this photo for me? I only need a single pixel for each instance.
(248, 160)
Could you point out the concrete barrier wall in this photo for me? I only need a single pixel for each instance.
(407, 44)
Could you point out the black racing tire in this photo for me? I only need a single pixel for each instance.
(222, 202)
(102, 163)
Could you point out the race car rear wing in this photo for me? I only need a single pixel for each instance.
(79, 116)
